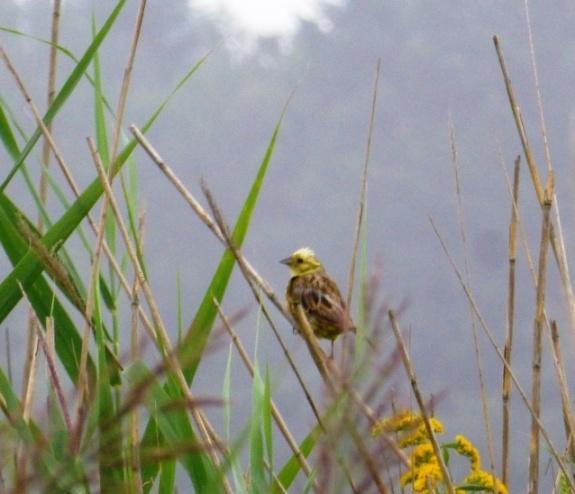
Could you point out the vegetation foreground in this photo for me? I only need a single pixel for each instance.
(114, 421)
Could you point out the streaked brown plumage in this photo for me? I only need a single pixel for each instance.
(318, 295)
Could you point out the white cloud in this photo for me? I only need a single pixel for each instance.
(248, 20)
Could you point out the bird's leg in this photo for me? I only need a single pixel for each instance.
(331, 353)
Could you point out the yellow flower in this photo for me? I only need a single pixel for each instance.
(427, 477)
(465, 448)
(318, 295)
(424, 473)
(403, 420)
(423, 453)
(419, 435)
(487, 481)
(406, 478)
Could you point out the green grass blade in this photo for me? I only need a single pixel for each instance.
(291, 469)
(267, 419)
(258, 481)
(235, 465)
(111, 461)
(67, 90)
(167, 477)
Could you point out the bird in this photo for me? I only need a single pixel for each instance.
(311, 288)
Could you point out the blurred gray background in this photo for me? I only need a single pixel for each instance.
(438, 63)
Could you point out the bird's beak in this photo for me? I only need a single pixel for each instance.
(286, 261)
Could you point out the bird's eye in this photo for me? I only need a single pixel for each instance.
(299, 260)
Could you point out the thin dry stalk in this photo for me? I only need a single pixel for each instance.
(467, 272)
(134, 417)
(8, 347)
(126, 81)
(487, 331)
(93, 282)
(159, 336)
(363, 193)
(506, 386)
(565, 399)
(539, 192)
(317, 354)
(275, 412)
(420, 402)
(537, 86)
(48, 349)
(30, 368)
(54, 37)
(537, 340)
(373, 467)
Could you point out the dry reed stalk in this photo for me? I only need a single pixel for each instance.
(535, 71)
(537, 340)
(506, 385)
(568, 421)
(363, 193)
(159, 334)
(519, 124)
(93, 284)
(368, 459)
(487, 331)
(122, 100)
(30, 368)
(47, 343)
(134, 417)
(52, 65)
(467, 272)
(410, 371)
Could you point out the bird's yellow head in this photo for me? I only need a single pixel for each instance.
(302, 261)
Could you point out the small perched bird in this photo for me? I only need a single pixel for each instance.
(318, 294)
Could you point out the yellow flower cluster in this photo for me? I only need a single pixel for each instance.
(401, 421)
(484, 479)
(464, 447)
(424, 473)
(419, 435)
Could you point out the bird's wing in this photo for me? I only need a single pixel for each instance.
(320, 298)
